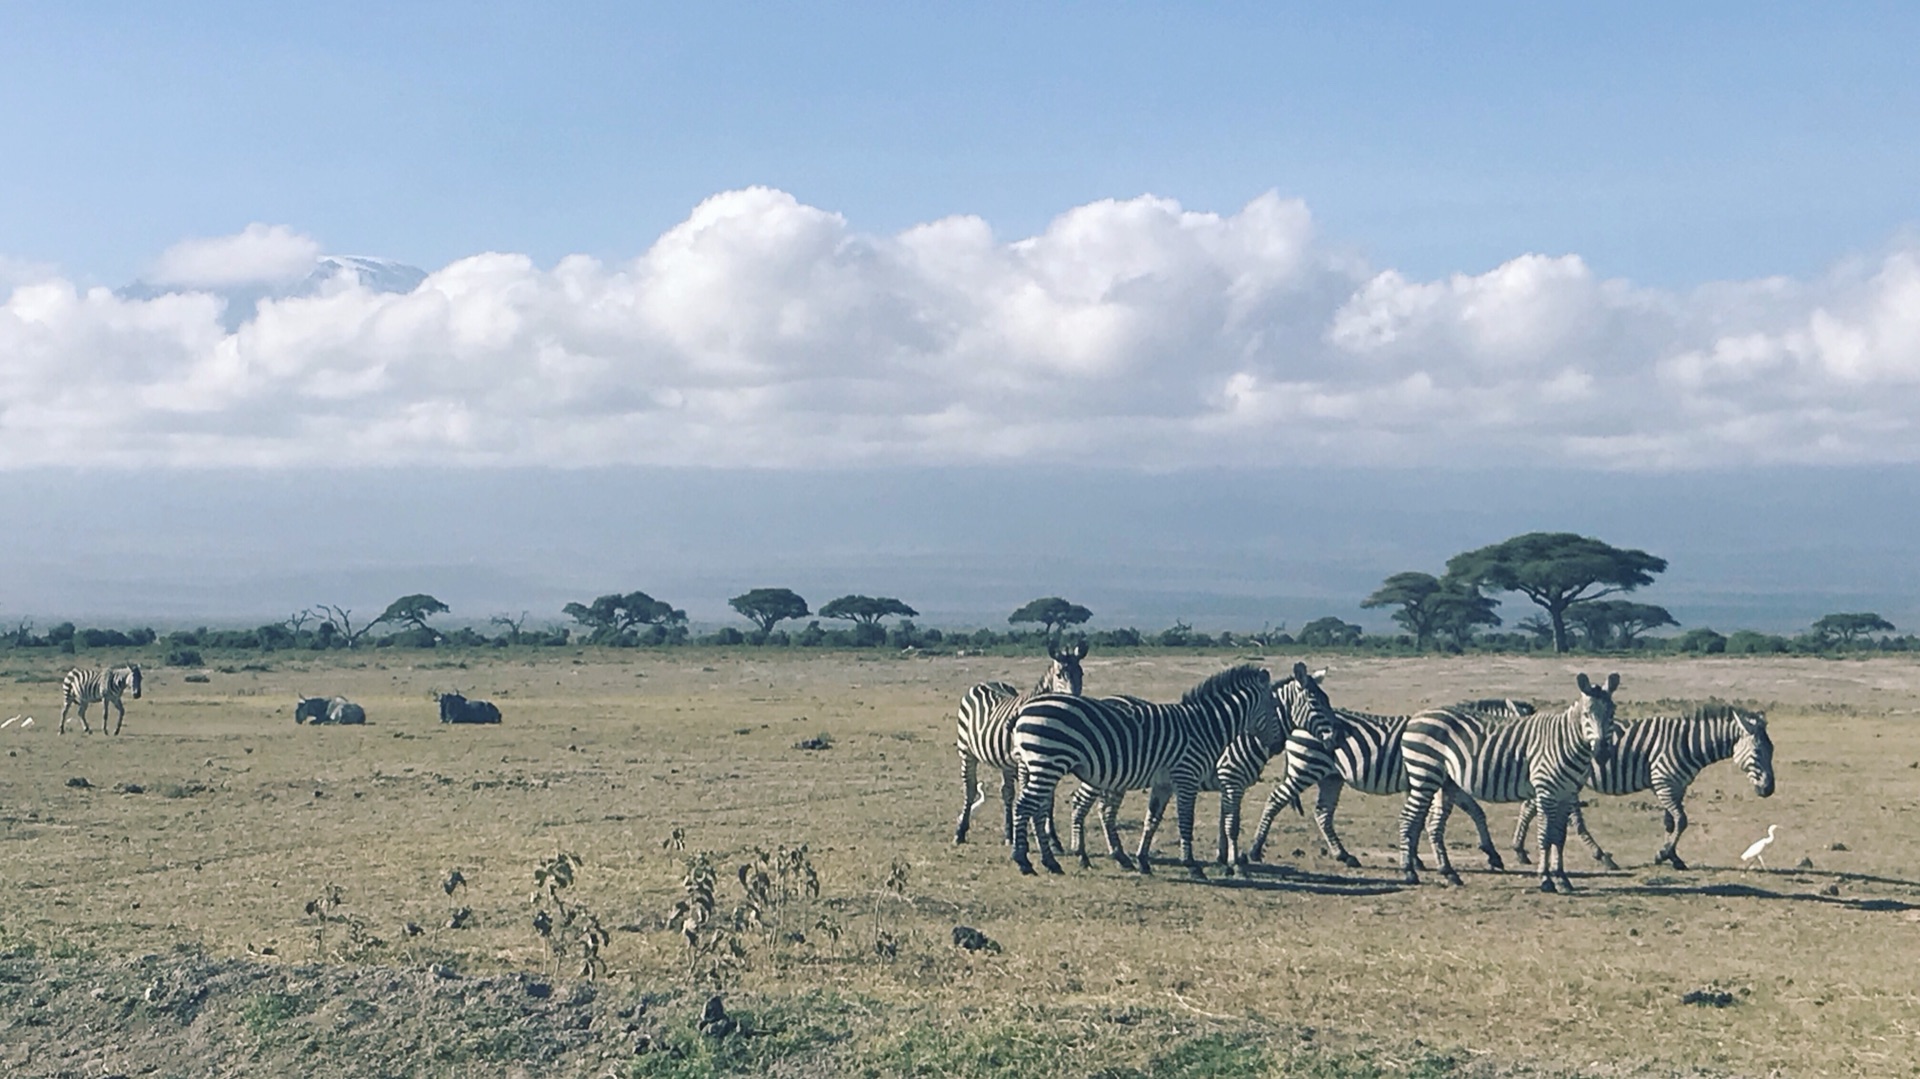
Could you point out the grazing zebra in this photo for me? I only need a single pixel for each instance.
(1237, 770)
(1364, 755)
(1124, 743)
(1544, 758)
(1664, 754)
(985, 734)
(84, 686)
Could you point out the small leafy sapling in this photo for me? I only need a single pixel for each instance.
(569, 929)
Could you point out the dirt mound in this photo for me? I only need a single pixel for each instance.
(188, 1014)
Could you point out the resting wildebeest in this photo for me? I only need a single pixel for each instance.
(457, 709)
(328, 710)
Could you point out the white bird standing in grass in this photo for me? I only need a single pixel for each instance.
(1757, 851)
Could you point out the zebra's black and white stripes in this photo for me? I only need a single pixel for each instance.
(1664, 754)
(985, 733)
(85, 686)
(1364, 755)
(1542, 758)
(1118, 744)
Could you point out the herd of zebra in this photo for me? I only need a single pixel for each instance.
(1223, 732)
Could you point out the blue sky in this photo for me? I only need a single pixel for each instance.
(1640, 251)
(1671, 144)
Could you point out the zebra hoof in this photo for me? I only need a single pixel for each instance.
(1197, 873)
(1566, 886)
(1453, 878)
(1495, 862)
(1255, 856)
(1026, 868)
(1348, 860)
(1410, 877)
(1525, 858)
(1145, 867)
(1123, 861)
(1546, 885)
(1052, 864)
(1676, 862)
(1607, 860)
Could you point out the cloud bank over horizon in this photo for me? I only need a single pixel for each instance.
(765, 333)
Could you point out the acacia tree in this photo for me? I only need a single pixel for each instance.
(1414, 593)
(1556, 570)
(867, 610)
(413, 611)
(766, 606)
(1330, 631)
(615, 613)
(1601, 620)
(1053, 613)
(1844, 629)
(1460, 609)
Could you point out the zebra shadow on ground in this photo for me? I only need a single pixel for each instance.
(1746, 890)
(1261, 877)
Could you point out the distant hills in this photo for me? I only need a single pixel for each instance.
(243, 301)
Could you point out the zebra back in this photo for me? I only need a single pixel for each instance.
(985, 726)
(84, 685)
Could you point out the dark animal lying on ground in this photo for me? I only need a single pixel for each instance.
(328, 710)
(457, 709)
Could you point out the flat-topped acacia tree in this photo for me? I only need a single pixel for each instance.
(1053, 613)
(766, 606)
(1555, 570)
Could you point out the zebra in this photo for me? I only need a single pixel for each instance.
(1365, 755)
(83, 686)
(1122, 743)
(1238, 769)
(1664, 754)
(1544, 758)
(985, 734)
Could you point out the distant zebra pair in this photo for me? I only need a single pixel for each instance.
(85, 687)
(321, 711)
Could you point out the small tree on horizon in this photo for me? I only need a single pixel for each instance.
(1053, 613)
(412, 611)
(1602, 620)
(615, 613)
(1845, 629)
(766, 606)
(867, 610)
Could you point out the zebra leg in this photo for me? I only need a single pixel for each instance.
(1580, 828)
(87, 728)
(1230, 802)
(1156, 809)
(119, 719)
(969, 773)
(1412, 815)
(1110, 822)
(1527, 813)
(1471, 807)
(68, 707)
(1036, 799)
(1324, 804)
(1184, 798)
(1083, 800)
(1437, 837)
(1283, 794)
(1553, 843)
(1009, 789)
(1671, 798)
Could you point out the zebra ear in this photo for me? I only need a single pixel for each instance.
(1613, 681)
(1301, 674)
(1581, 681)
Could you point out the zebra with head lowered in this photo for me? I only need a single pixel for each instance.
(985, 734)
(83, 686)
(1664, 754)
(1538, 758)
(1364, 755)
(1235, 773)
(1124, 743)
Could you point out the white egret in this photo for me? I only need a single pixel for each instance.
(1757, 851)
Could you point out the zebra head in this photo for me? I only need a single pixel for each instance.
(1065, 675)
(130, 677)
(1300, 702)
(1753, 750)
(1595, 711)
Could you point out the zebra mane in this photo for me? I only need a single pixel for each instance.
(1227, 681)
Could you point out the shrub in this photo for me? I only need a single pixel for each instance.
(1701, 641)
(185, 657)
(727, 635)
(1746, 642)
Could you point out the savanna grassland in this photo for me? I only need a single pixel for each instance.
(219, 892)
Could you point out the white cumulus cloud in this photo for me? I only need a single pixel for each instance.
(256, 255)
(763, 332)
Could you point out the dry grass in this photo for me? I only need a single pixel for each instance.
(245, 818)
